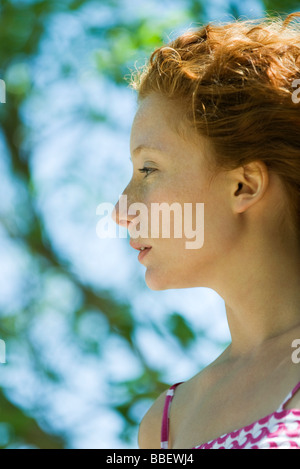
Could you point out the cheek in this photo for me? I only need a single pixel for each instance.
(165, 210)
(183, 210)
(189, 221)
(219, 228)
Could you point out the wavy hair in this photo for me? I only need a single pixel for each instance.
(237, 83)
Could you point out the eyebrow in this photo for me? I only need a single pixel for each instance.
(145, 147)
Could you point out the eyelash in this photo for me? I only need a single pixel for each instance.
(144, 170)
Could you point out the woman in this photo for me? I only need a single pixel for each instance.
(218, 123)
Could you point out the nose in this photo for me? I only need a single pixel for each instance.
(120, 213)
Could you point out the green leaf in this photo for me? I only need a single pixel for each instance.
(181, 329)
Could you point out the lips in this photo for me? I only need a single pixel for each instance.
(143, 253)
(139, 246)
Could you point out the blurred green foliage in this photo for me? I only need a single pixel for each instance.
(116, 46)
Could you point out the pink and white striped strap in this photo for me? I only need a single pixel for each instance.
(166, 416)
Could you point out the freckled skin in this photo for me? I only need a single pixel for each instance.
(181, 176)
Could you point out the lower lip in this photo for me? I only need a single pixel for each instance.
(144, 253)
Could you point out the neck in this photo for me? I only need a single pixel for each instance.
(262, 294)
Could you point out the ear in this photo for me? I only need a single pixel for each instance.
(249, 184)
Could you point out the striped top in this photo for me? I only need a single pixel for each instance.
(279, 430)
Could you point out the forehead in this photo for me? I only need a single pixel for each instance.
(156, 123)
(162, 124)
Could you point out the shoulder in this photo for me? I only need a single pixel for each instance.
(150, 427)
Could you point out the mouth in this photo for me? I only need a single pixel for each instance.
(143, 248)
(143, 253)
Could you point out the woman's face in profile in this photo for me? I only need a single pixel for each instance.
(177, 172)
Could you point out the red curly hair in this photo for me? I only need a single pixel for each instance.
(237, 85)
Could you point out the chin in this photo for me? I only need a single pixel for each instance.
(157, 283)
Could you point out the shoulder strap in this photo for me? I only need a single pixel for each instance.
(289, 397)
(166, 415)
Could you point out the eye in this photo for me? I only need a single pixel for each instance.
(147, 171)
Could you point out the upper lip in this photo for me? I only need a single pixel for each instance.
(138, 246)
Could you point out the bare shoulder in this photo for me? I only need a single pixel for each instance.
(150, 427)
